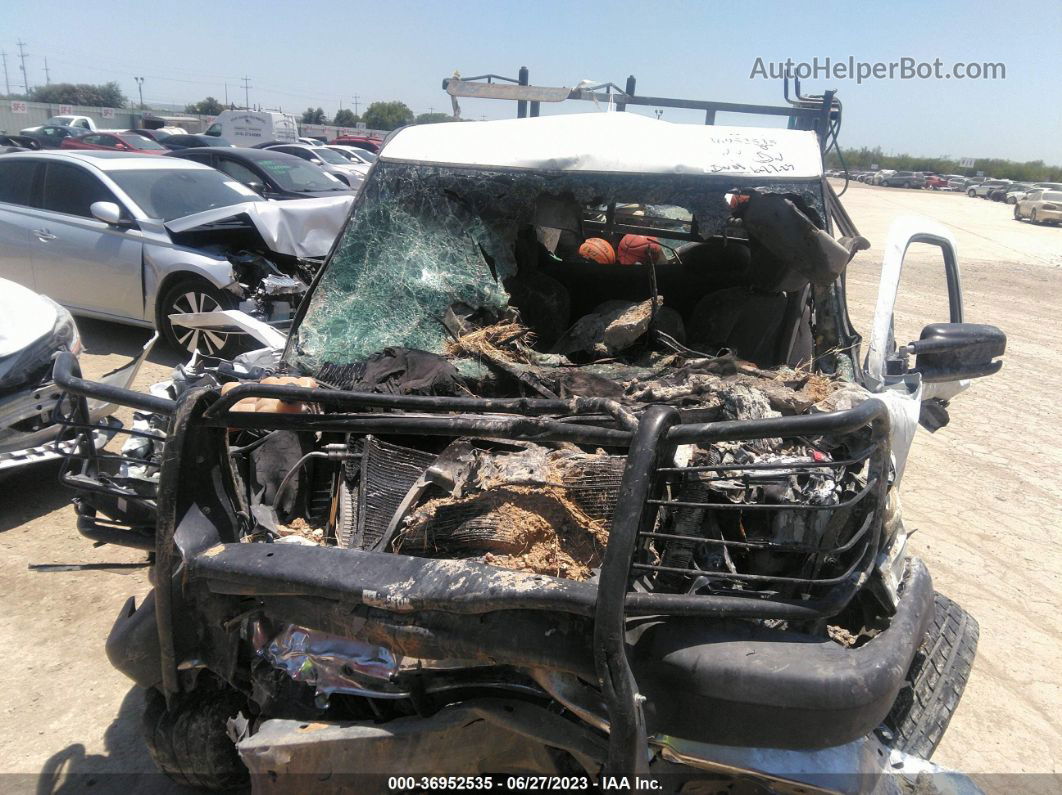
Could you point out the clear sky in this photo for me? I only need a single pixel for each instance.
(325, 53)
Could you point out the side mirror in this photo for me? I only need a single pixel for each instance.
(108, 212)
(257, 187)
(956, 351)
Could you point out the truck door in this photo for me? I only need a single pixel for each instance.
(948, 352)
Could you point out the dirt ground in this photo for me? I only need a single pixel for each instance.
(984, 494)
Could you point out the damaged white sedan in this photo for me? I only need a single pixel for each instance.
(33, 330)
(138, 239)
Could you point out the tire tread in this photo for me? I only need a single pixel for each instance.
(935, 681)
(189, 744)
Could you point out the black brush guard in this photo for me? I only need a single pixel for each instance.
(422, 607)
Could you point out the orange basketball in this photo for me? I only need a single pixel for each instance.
(638, 249)
(597, 249)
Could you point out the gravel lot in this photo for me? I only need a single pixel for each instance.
(983, 492)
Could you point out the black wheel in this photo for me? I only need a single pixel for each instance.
(1017, 215)
(190, 742)
(1033, 217)
(196, 295)
(971, 193)
(935, 681)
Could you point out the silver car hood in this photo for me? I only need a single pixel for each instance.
(299, 228)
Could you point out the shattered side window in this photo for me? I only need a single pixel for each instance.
(412, 250)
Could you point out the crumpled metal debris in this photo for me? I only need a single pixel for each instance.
(331, 664)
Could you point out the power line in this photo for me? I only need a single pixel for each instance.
(22, 59)
(7, 83)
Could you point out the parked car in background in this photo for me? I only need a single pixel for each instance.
(904, 179)
(311, 141)
(186, 141)
(982, 190)
(1040, 206)
(271, 174)
(1008, 194)
(326, 159)
(355, 155)
(1015, 195)
(368, 142)
(250, 127)
(963, 184)
(935, 182)
(116, 142)
(878, 177)
(138, 240)
(154, 135)
(83, 123)
(51, 136)
(17, 143)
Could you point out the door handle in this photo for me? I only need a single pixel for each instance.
(43, 234)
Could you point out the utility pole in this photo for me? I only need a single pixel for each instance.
(246, 92)
(47, 75)
(7, 83)
(140, 88)
(22, 59)
(226, 95)
(355, 104)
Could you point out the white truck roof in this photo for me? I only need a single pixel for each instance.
(620, 142)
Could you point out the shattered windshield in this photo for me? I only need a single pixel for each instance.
(428, 239)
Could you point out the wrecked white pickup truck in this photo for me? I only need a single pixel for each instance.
(571, 465)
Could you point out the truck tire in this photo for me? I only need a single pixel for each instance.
(190, 742)
(935, 681)
(196, 295)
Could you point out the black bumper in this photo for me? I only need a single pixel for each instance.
(727, 682)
